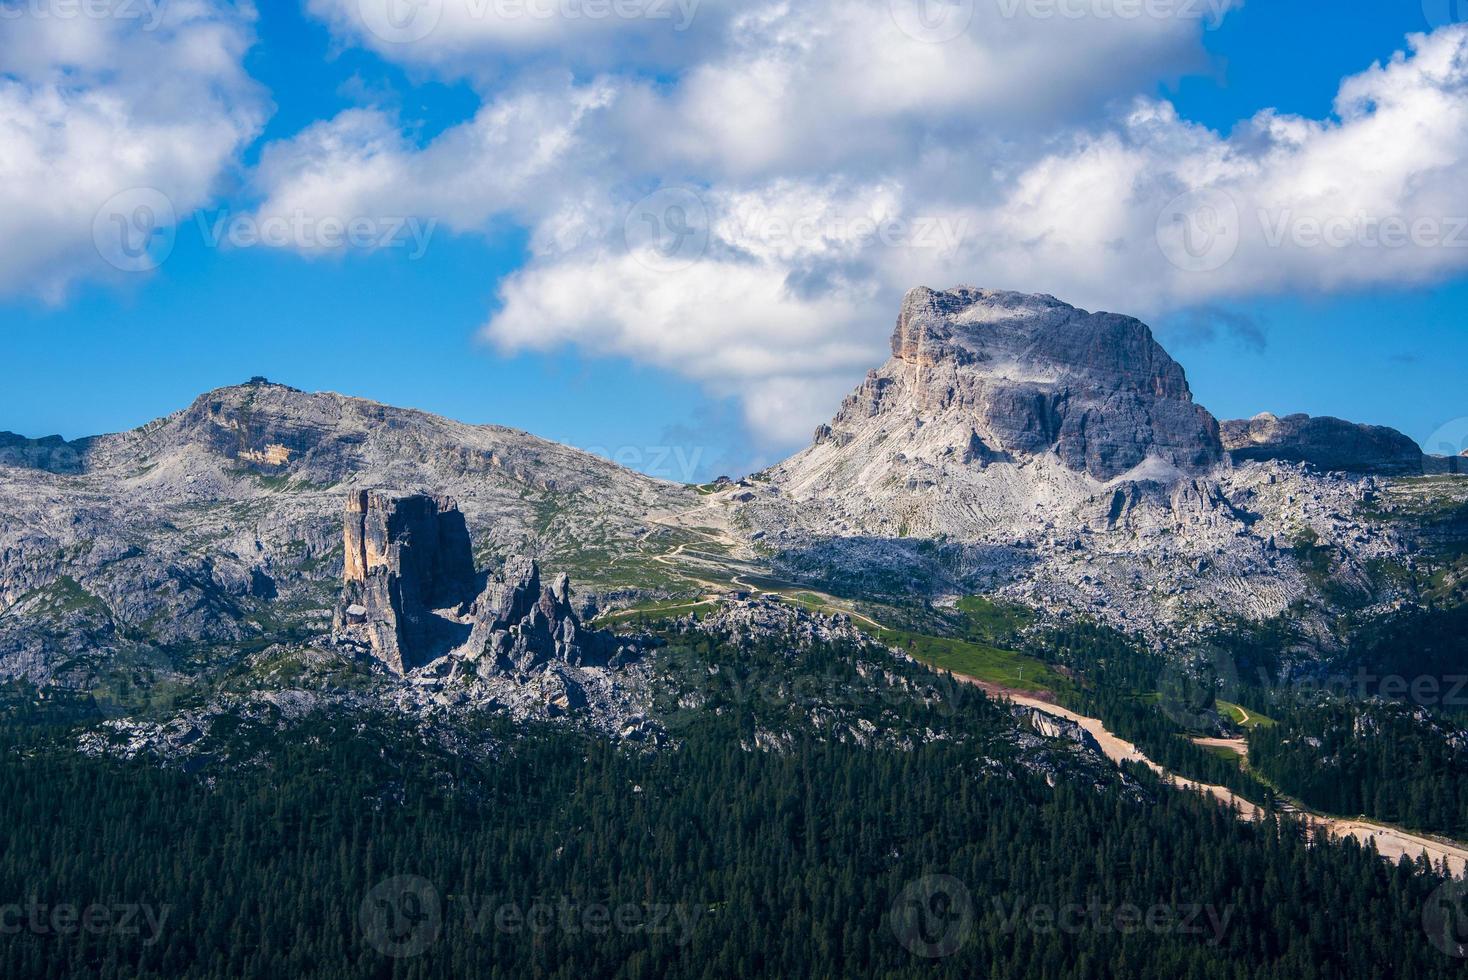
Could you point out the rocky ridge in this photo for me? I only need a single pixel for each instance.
(1018, 446)
(217, 530)
(1327, 444)
(407, 601)
(1013, 445)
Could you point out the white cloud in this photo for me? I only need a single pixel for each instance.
(1373, 196)
(476, 38)
(1080, 222)
(817, 162)
(734, 325)
(148, 96)
(503, 161)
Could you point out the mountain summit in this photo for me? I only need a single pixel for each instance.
(1030, 375)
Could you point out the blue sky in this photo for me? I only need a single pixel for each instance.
(664, 372)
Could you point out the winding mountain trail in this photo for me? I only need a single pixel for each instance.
(736, 577)
(1238, 746)
(1391, 842)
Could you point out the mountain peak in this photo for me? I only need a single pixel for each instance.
(1007, 377)
(1325, 442)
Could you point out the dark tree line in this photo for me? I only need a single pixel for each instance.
(787, 863)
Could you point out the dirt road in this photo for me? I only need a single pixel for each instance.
(1391, 842)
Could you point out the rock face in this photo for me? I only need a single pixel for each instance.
(1059, 728)
(521, 624)
(404, 558)
(217, 528)
(1009, 377)
(1020, 447)
(1323, 442)
(1445, 465)
(52, 453)
(409, 596)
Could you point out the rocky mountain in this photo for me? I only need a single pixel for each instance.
(986, 377)
(216, 531)
(412, 602)
(1328, 444)
(1013, 446)
(1017, 445)
(404, 559)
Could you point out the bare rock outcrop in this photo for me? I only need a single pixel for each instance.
(1032, 375)
(1015, 445)
(411, 596)
(522, 624)
(404, 558)
(217, 528)
(1323, 442)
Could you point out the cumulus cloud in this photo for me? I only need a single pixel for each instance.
(752, 218)
(145, 101)
(480, 38)
(1157, 212)
(501, 162)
